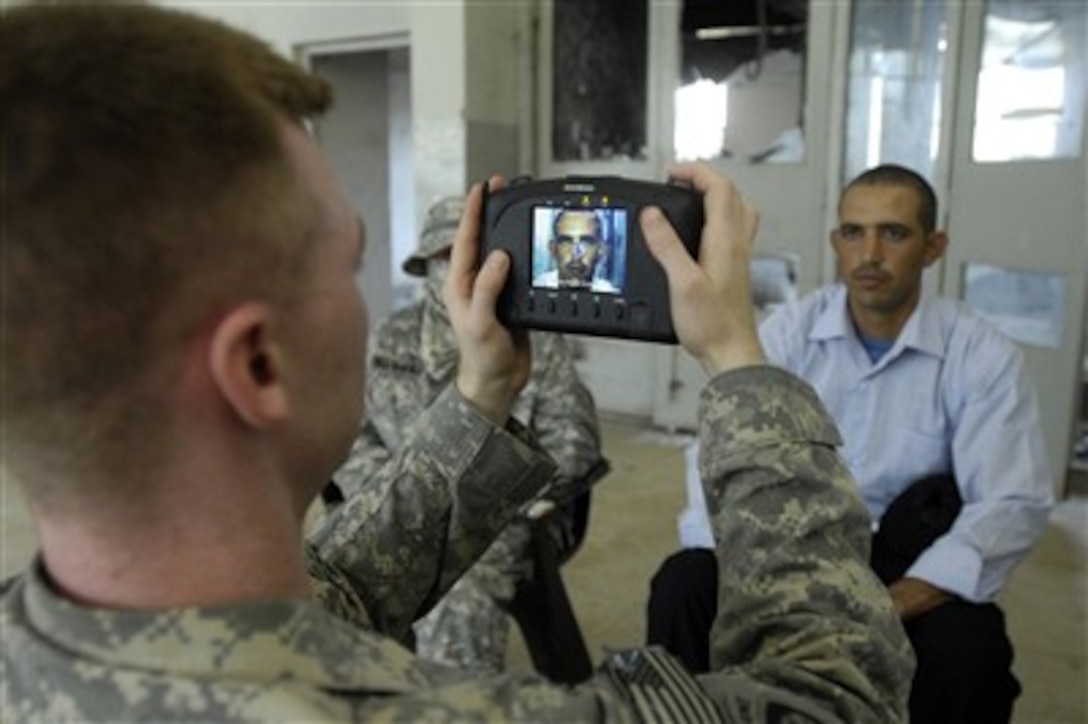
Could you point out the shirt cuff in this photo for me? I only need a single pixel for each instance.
(951, 567)
(465, 446)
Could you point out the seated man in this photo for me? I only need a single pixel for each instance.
(171, 427)
(414, 360)
(920, 387)
(577, 250)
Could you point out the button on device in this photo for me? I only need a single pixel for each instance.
(640, 316)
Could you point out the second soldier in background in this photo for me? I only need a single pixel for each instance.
(414, 358)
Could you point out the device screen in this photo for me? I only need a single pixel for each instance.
(583, 248)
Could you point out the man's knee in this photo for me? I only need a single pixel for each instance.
(964, 671)
(682, 606)
(962, 636)
(687, 576)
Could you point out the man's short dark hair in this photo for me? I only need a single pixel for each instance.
(890, 174)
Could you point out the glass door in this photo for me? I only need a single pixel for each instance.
(1017, 199)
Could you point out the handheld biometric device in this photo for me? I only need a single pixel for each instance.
(580, 262)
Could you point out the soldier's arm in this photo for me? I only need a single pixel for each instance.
(371, 450)
(388, 553)
(564, 415)
(805, 631)
(800, 610)
(461, 473)
(368, 454)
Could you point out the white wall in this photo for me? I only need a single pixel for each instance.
(288, 24)
(402, 235)
(438, 99)
(465, 59)
(355, 135)
(493, 44)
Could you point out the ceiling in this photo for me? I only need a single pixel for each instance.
(741, 13)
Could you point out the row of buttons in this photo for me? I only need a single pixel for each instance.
(572, 307)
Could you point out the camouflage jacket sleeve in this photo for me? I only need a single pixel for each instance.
(371, 449)
(368, 454)
(800, 609)
(389, 552)
(563, 416)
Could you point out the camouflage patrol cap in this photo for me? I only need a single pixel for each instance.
(438, 231)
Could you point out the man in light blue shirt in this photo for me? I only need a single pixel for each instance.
(920, 387)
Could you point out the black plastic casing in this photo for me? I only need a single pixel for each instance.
(641, 310)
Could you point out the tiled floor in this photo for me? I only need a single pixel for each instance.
(632, 527)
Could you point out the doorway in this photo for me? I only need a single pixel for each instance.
(367, 135)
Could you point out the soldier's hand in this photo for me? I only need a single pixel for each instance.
(494, 361)
(711, 296)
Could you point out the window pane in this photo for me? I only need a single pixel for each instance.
(1031, 84)
(893, 103)
(741, 91)
(1028, 306)
(599, 80)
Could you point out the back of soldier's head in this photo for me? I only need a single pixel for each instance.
(145, 186)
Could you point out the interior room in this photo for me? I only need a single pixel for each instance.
(791, 98)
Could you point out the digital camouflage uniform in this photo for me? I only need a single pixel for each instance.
(807, 633)
(413, 358)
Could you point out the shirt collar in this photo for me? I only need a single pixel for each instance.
(922, 332)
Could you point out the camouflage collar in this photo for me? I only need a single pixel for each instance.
(254, 641)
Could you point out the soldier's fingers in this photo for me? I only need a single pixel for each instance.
(730, 221)
(667, 249)
(465, 253)
(489, 282)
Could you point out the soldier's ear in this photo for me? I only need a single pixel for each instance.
(246, 363)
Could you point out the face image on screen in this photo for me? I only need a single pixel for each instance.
(580, 249)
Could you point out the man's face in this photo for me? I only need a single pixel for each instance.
(577, 248)
(882, 249)
(329, 329)
(438, 269)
